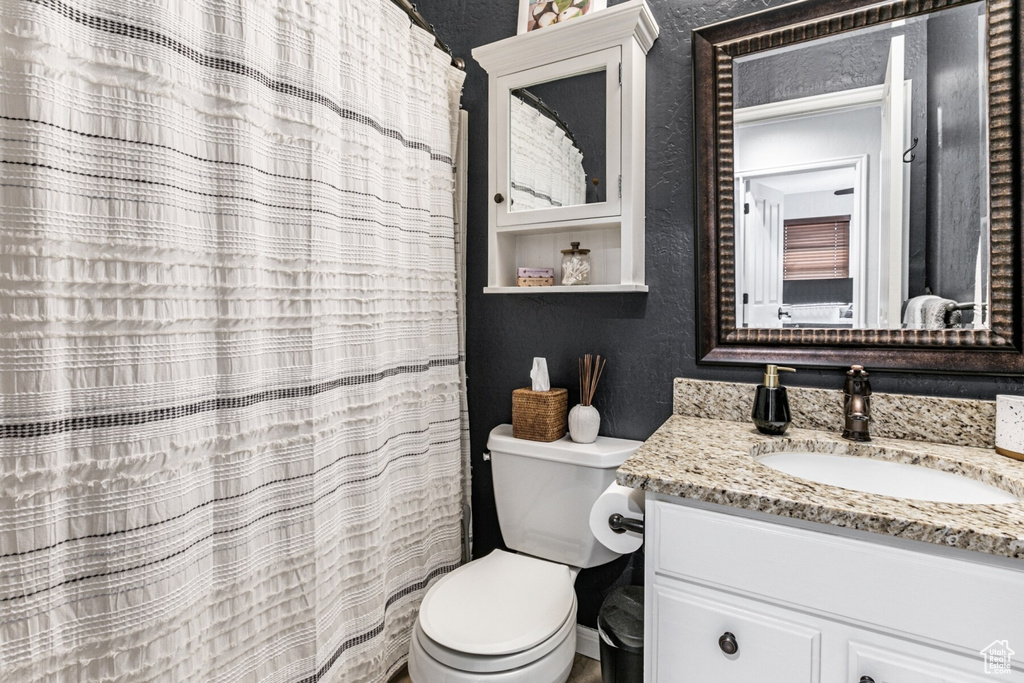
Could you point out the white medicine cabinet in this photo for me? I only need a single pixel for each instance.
(566, 149)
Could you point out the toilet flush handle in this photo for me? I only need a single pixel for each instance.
(621, 525)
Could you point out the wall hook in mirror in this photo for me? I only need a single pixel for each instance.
(910, 152)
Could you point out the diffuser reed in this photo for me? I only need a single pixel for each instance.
(584, 420)
(590, 375)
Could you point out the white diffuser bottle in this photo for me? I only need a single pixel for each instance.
(584, 420)
(584, 423)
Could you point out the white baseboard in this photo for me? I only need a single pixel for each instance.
(587, 643)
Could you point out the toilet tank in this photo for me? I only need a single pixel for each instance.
(544, 492)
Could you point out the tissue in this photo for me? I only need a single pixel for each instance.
(539, 375)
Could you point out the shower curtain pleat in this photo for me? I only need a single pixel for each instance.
(231, 406)
(546, 167)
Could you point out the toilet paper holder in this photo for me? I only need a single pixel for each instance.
(621, 525)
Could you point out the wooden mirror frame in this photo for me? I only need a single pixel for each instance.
(998, 350)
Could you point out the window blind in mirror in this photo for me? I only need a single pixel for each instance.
(816, 248)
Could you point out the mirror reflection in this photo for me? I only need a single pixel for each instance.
(557, 143)
(862, 178)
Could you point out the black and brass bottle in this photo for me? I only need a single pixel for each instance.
(771, 405)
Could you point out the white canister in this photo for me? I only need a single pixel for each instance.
(584, 423)
(1010, 426)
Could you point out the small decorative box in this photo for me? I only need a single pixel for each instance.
(1010, 426)
(539, 415)
(535, 281)
(535, 272)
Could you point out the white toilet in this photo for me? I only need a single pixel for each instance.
(512, 617)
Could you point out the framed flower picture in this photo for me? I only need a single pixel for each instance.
(534, 14)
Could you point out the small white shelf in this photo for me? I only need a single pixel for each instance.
(564, 289)
(560, 226)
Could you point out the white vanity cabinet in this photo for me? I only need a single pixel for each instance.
(803, 603)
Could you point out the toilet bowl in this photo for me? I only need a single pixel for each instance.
(504, 617)
(511, 617)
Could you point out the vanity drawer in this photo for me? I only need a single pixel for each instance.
(936, 598)
(901, 662)
(687, 645)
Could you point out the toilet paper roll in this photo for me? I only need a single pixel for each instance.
(628, 503)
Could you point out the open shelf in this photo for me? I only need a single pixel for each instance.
(541, 249)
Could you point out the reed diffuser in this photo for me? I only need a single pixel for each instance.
(584, 420)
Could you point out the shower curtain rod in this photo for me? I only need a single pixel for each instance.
(417, 18)
(541, 106)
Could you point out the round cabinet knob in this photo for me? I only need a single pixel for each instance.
(499, 198)
(727, 642)
(866, 679)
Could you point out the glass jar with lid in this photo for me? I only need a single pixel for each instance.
(575, 265)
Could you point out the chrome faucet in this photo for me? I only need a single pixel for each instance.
(856, 405)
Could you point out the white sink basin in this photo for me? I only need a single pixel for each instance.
(886, 478)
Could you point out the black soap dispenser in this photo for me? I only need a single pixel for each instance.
(771, 405)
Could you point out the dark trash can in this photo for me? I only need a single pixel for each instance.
(620, 626)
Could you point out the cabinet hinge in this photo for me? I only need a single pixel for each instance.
(746, 209)
(620, 73)
(620, 187)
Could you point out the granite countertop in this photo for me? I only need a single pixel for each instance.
(710, 460)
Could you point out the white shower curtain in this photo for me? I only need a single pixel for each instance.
(229, 349)
(546, 165)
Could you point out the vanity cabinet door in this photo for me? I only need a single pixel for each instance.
(694, 636)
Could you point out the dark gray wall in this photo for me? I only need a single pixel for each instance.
(954, 182)
(649, 339)
(845, 62)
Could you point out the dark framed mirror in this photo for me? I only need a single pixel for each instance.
(858, 186)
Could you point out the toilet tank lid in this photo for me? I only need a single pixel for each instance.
(605, 453)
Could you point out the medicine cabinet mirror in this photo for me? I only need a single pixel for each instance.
(858, 185)
(566, 149)
(554, 161)
(558, 143)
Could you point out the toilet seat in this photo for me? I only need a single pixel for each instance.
(484, 664)
(498, 605)
(504, 616)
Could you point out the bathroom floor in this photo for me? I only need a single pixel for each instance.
(584, 670)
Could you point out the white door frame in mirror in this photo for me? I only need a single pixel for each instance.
(602, 60)
(858, 227)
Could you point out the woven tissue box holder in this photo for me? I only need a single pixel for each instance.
(539, 415)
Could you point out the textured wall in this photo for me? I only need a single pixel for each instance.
(954, 182)
(650, 339)
(855, 60)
